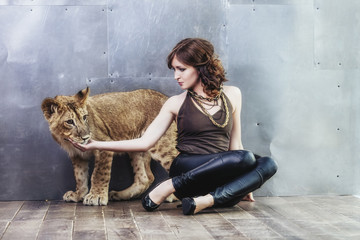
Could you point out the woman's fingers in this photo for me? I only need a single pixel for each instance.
(79, 146)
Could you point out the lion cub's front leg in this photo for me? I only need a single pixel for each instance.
(100, 179)
(81, 172)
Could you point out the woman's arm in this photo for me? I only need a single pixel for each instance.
(235, 138)
(152, 134)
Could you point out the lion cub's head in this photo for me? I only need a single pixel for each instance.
(68, 117)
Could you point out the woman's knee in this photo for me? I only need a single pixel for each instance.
(246, 159)
(239, 161)
(268, 165)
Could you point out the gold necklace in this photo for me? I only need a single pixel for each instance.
(209, 99)
(222, 96)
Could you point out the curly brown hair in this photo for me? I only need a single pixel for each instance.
(199, 53)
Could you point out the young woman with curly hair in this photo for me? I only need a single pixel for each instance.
(212, 169)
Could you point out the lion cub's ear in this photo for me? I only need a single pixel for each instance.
(50, 106)
(83, 95)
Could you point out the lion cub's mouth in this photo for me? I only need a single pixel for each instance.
(84, 142)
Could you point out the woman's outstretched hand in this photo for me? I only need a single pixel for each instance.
(91, 145)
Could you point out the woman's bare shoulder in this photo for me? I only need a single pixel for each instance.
(174, 103)
(234, 95)
(232, 91)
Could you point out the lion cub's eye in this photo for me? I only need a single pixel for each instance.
(70, 121)
(85, 117)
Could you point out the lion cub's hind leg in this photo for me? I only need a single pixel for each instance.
(143, 177)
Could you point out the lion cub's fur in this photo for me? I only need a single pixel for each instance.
(108, 117)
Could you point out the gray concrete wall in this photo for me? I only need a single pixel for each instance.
(297, 63)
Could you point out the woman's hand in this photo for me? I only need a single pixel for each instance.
(91, 145)
(249, 198)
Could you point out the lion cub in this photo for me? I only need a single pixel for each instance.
(108, 117)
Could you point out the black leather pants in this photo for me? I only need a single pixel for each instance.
(227, 176)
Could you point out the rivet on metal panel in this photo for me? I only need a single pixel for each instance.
(112, 81)
(31, 10)
(253, 9)
(66, 9)
(110, 74)
(89, 80)
(318, 63)
(338, 85)
(104, 52)
(338, 129)
(317, 8)
(258, 124)
(340, 64)
(103, 10)
(337, 176)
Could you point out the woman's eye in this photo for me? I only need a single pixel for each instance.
(182, 69)
(70, 121)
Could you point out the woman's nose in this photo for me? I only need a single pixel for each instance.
(176, 76)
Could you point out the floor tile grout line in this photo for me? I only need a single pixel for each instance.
(300, 212)
(328, 208)
(73, 222)
(168, 225)
(231, 222)
(136, 225)
(203, 226)
(264, 222)
(6, 227)
(292, 220)
(104, 220)
(12, 219)
(43, 219)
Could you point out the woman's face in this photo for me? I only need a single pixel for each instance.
(187, 76)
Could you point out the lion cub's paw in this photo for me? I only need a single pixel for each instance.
(119, 195)
(72, 196)
(171, 198)
(113, 196)
(95, 199)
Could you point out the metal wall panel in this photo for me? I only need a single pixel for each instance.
(292, 111)
(337, 34)
(45, 51)
(165, 85)
(299, 104)
(53, 2)
(142, 33)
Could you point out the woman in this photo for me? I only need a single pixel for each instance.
(212, 169)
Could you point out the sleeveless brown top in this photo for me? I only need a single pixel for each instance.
(197, 134)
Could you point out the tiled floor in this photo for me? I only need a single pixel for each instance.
(311, 218)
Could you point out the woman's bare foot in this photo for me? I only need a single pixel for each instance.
(203, 202)
(249, 198)
(162, 191)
